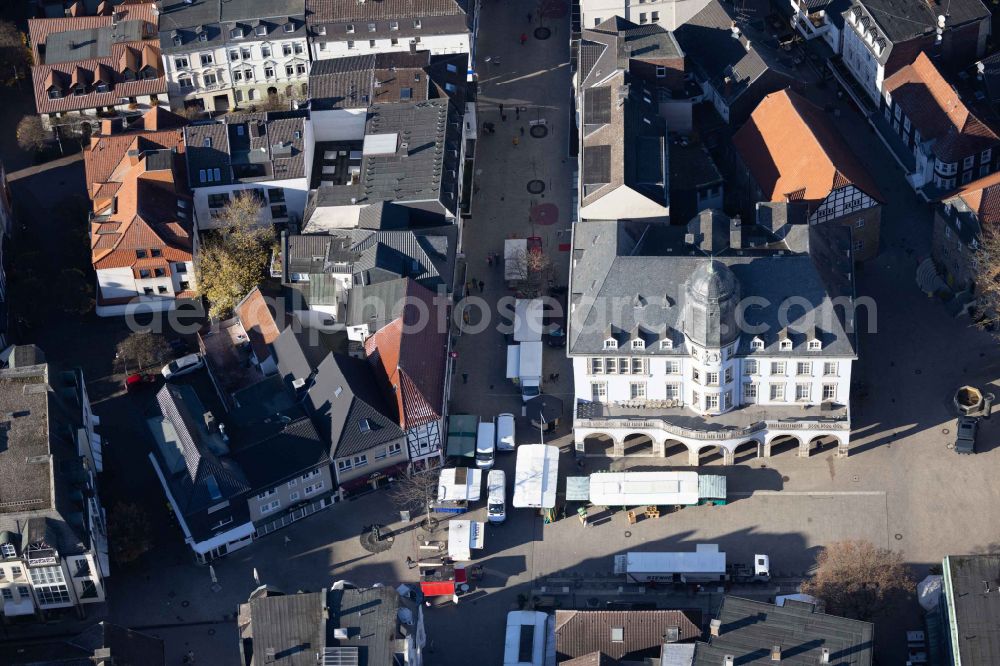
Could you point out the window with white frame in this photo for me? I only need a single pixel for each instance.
(597, 366)
(785, 344)
(803, 392)
(756, 343)
(344, 465)
(311, 474)
(313, 489)
(712, 378)
(750, 366)
(611, 343)
(598, 392)
(777, 392)
(638, 366)
(7, 594)
(267, 493)
(293, 483)
(695, 399)
(696, 375)
(611, 365)
(361, 460)
(815, 345)
(830, 369)
(803, 368)
(395, 449)
(729, 374)
(666, 343)
(637, 390)
(712, 401)
(638, 343)
(673, 368)
(727, 400)
(777, 367)
(749, 391)
(7, 550)
(269, 507)
(829, 391)
(294, 497)
(673, 391)
(265, 51)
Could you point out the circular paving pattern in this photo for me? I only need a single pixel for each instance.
(536, 186)
(539, 131)
(545, 214)
(369, 543)
(542, 33)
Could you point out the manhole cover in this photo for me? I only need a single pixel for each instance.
(539, 131)
(855, 478)
(185, 603)
(536, 186)
(899, 537)
(542, 33)
(627, 534)
(945, 431)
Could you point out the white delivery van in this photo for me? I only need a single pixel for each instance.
(485, 444)
(496, 498)
(505, 432)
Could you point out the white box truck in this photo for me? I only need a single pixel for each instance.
(705, 565)
(529, 319)
(524, 368)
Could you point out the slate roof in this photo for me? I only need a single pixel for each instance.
(751, 628)
(624, 137)
(970, 588)
(378, 304)
(40, 29)
(269, 451)
(612, 266)
(581, 633)
(278, 11)
(707, 40)
(436, 17)
(128, 648)
(246, 148)
(196, 464)
(410, 356)
(377, 78)
(937, 111)
(194, 25)
(424, 173)
(901, 20)
(371, 617)
(794, 152)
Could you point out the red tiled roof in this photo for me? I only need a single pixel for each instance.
(937, 111)
(106, 152)
(983, 197)
(410, 360)
(259, 323)
(794, 153)
(64, 74)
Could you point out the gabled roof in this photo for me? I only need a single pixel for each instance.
(983, 198)
(970, 586)
(258, 322)
(40, 29)
(321, 11)
(350, 409)
(409, 356)
(901, 20)
(581, 633)
(794, 152)
(937, 111)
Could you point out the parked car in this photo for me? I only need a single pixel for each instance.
(556, 337)
(485, 445)
(965, 437)
(182, 366)
(496, 498)
(137, 381)
(505, 432)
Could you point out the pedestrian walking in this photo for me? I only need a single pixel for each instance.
(557, 377)
(482, 285)
(465, 378)
(501, 110)
(288, 540)
(524, 39)
(552, 376)
(409, 562)
(529, 17)
(489, 259)
(517, 113)
(516, 141)
(522, 130)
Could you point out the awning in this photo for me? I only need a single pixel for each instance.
(22, 607)
(438, 589)
(236, 534)
(577, 488)
(544, 408)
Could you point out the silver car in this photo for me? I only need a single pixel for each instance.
(182, 366)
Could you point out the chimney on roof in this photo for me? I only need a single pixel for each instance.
(728, 85)
(775, 653)
(728, 660)
(824, 656)
(210, 423)
(102, 657)
(413, 46)
(715, 628)
(736, 234)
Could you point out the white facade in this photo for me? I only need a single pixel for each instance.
(260, 68)
(157, 293)
(141, 104)
(814, 25)
(198, 74)
(361, 45)
(671, 14)
(208, 203)
(859, 54)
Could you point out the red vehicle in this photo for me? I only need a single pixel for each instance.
(137, 381)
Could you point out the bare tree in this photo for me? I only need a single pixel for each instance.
(986, 273)
(858, 579)
(417, 492)
(14, 54)
(31, 134)
(143, 349)
(533, 268)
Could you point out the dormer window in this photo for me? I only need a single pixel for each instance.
(101, 87)
(639, 344)
(55, 93)
(371, 27)
(289, 27)
(815, 345)
(203, 37)
(236, 33)
(8, 550)
(79, 90)
(177, 40)
(785, 345)
(321, 30)
(611, 343)
(260, 30)
(207, 142)
(666, 344)
(393, 25)
(350, 28)
(416, 24)
(756, 344)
